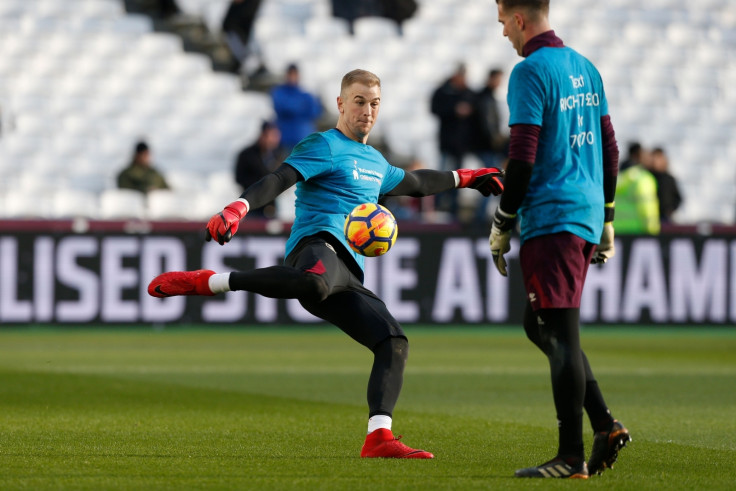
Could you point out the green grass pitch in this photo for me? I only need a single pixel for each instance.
(284, 408)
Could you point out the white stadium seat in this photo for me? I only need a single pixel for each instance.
(18, 203)
(122, 204)
(326, 28)
(375, 28)
(73, 203)
(164, 204)
(222, 183)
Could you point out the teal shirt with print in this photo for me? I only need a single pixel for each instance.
(339, 174)
(561, 91)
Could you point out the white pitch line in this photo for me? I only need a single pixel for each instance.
(301, 370)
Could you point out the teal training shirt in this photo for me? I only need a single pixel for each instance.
(559, 90)
(339, 174)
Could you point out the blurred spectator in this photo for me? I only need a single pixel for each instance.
(637, 206)
(398, 10)
(493, 141)
(258, 160)
(454, 103)
(140, 175)
(238, 28)
(296, 110)
(352, 9)
(668, 192)
(635, 156)
(166, 8)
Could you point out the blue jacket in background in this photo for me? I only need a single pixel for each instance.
(296, 112)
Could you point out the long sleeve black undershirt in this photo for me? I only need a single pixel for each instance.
(417, 184)
(269, 187)
(424, 182)
(522, 154)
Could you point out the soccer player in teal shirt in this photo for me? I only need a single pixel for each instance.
(334, 171)
(561, 181)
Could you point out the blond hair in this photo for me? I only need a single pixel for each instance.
(359, 76)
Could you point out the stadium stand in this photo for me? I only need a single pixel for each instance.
(121, 204)
(74, 203)
(81, 80)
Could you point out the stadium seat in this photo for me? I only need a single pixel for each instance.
(133, 24)
(158, 45)
(326, 28)
(164, 204)
(222, 184)
(375, 28)
(73, 203)
(285, 210)
(205, 205)
(185, 181)
(418, 30)
(273, 27)
(122, 204)
(18, 203)
(36, 125)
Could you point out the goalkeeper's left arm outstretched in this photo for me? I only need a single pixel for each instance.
(426, 182)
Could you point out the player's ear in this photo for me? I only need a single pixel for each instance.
(519, 19)
(339, 104)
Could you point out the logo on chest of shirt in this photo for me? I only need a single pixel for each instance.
(363, 174)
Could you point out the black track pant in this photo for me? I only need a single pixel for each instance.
(557, 333)
(324, 285)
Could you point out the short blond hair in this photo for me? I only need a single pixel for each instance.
(359, 76)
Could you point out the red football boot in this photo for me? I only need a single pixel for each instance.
(181, 283)
(382, 443)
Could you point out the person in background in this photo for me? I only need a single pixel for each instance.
(237, 25)
(140, 174)
(636, 156)
(637, 204)
(399, 10)
(296, 110)
(167, 8)
(258, 160)
(668, 192)
(396, 10)
(493, 141)
(353, 9)
(454, 104)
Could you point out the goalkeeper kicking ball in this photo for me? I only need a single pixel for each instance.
(370, 229)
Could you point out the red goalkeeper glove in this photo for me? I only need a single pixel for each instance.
(223, 226)
(484, 180)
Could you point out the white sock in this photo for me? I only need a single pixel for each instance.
(379, 421)
(219, 282)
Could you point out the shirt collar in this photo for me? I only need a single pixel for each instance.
(545, 40)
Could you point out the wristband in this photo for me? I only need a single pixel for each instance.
(608, 212)
(503, 221)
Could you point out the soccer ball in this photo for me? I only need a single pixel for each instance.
(370, 229)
